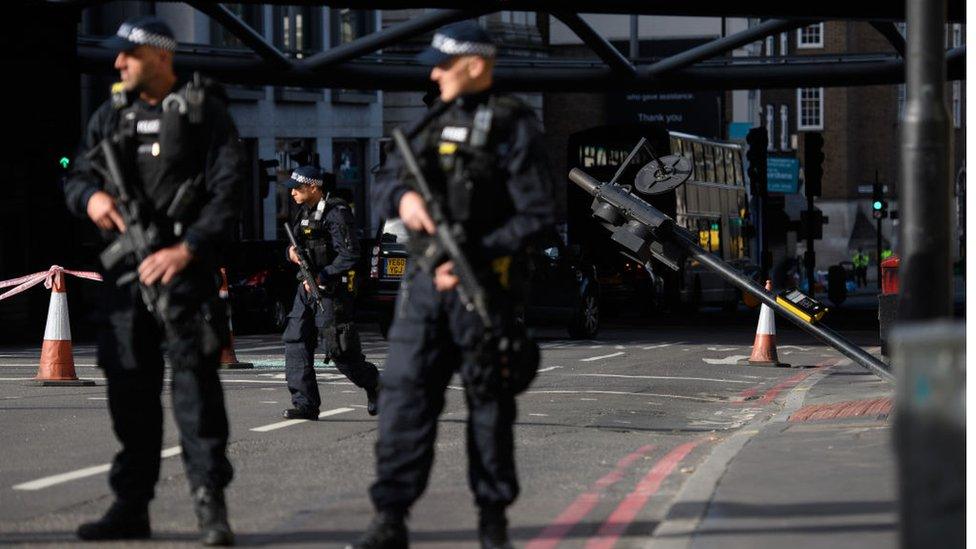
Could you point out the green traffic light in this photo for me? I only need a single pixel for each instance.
(876, 205)
(64, 162)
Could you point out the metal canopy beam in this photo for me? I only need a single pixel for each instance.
(389, 36)
(600, 46)
(721, 45)
(392, 73)
(890, 32)
(765, 9)
(248, 36)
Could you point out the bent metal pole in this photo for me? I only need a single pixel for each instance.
(664, 228)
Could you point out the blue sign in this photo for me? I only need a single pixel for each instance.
(782, 174)
(739, 130)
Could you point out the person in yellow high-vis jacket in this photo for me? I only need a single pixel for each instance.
(861, 261)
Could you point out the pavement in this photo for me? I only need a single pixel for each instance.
(645, 437)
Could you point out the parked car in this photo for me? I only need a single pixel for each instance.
(262, 286)
(562, 288)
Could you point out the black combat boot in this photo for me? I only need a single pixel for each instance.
(123, 520)
(301, 413)
(387, 531)
(493, 528)
(372, 400)
(212, 516)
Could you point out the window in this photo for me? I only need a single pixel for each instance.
(250, 14)
(957, 104)
(810, 37)
(783, 44)
(349, 167)
(349, 24)
(769, 127)
(809, 108)
(956, 35)
(298, 30)
(783, 127)
(720, 165)
(770, 45)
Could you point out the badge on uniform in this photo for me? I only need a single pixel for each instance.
(304, 223)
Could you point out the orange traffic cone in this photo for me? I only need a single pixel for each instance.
(228, 358)
(57, 367)
(764, 347)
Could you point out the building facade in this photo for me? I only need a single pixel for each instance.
(860, 127)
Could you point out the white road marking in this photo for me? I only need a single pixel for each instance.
(47, 482)
(731, 359)
(269, 402)
(549, 369)
(721, 348)
(97, 398)
(290, 422)
(595, 346)
(659, 346)
(592, 358)
(539, 415)
(618, 346)
(34, 365)
(796, 347)
(280, 347)
(625, 393)
(670, 377)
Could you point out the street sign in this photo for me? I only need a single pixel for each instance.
(782, 174)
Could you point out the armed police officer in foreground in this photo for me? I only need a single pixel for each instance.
(159, 171)
(480, 183)
(326, 250)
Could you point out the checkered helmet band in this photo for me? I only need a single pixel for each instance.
(146, 38)
(304, 180)
(451, 46)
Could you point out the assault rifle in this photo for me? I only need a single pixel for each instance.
(305, 269)
(141, 237)
(504, 344)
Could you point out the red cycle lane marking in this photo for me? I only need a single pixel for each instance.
(618, 521)
(584, 503)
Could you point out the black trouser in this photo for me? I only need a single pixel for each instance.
(431, 334)
(861, 275)
(130, 351)
(340, 339)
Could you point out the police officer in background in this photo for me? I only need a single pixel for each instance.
(484, 154)
(327, 232)
(169, 135)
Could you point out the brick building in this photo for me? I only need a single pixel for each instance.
(860, 126)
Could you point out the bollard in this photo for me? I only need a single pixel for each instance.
(930, 432)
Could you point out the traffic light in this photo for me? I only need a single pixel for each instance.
(813, 158)
(756, 155)
(64, 162)
(879, 206)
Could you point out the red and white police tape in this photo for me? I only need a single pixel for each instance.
(47, 277)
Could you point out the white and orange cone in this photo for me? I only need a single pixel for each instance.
(57, 366)
(764, 347)
(228, 358)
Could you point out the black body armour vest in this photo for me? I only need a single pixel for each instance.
(315, 235)
(160, 152)
(461, 158)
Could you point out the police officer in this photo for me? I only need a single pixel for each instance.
(484, 154)
(861, 262)
(170, 136)
(327, 233)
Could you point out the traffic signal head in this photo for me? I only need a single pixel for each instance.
(64, 162)
(813, 158)
(756, 155)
